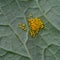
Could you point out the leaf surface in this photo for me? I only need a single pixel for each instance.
(16, 44)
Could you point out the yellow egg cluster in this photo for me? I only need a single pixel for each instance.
(35, 25)
(22, 26)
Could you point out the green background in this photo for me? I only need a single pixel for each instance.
(16, 44)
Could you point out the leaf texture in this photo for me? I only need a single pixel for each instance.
(16, 44)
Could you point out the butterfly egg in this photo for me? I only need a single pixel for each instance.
(23, 25)
(30, 15)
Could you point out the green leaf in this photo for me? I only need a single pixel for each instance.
(16, 44)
